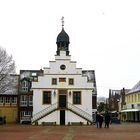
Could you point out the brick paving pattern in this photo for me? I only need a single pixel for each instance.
(125, 131)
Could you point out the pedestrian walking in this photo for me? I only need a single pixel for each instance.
(97, 119)
(100, 120)
(107, 119)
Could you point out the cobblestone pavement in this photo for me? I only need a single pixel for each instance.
(125, 131)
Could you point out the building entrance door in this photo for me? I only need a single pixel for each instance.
(62, 105)
(62, 117)
(62, 99)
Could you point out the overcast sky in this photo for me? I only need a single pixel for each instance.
(104, 36)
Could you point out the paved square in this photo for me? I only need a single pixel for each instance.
(125, 131)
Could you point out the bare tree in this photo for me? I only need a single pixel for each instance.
(7, 67)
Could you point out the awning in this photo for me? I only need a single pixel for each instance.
(130, 110)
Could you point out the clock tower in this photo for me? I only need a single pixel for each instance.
(62, 41)
(64, 94)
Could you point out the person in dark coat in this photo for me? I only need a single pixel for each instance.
(100, 120)
(107, 119)
(97, 119)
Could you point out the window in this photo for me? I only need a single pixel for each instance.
(47, 97)
(25, 113)
(54, 81)
(7, 99)
(62, 79)
(1, 100)
(71, 81)
(23, 100)
(138, 97)
(30, 100)
(34, 78)
(135, 97)
(132, 106)
(34, 74)
(14, 100)
(77, 97)
(25, 86)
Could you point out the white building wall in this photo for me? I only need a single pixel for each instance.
(73, 118)
(53, 117)
(45, 84)
(70, 117)
(86, 103)
(38, 98)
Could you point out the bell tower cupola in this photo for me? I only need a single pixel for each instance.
(62, 41)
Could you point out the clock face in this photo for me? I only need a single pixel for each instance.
(62, 67)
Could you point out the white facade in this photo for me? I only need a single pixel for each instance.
(68, 111)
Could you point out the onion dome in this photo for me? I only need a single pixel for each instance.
(62, 37)
(62, 41)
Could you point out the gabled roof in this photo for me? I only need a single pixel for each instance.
(135, 88)
(10, 92)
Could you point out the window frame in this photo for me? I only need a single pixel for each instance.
(7, 100)
(54, 81)
(14, 100)
(77, 99)
(30, 100)
(23, 100)
(2, 100)
(25, 86)
(71, 81)
(62, 79)
(49, 97)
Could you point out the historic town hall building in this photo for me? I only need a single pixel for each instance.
(64, 94)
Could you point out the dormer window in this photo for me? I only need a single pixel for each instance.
(24, 86)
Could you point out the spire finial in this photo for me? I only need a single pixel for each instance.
(62, 20)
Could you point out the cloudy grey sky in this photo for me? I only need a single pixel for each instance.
(104, 36)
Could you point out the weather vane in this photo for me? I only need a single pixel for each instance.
(62, 19)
